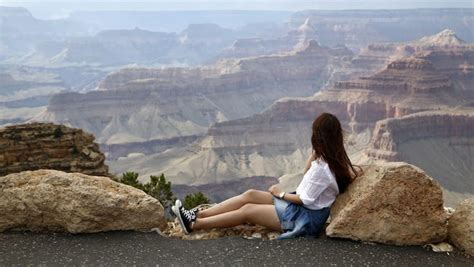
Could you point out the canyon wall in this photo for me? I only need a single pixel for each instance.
(138, 105)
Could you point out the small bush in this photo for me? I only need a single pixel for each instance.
(193, 200)
(157, 187)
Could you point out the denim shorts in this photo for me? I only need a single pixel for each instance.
(297, 220)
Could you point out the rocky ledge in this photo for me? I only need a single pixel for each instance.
(36, 146)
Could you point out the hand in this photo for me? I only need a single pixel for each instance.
(274, 190)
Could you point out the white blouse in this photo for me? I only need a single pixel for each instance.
(318, 189)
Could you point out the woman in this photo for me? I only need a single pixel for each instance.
(328, 172)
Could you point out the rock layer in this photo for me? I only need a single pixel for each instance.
(137, 105)
(35, 146)
(50, 200)
(461, 226)
(390, 133)
(392, 203)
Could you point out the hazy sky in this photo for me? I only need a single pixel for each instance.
(61, 8)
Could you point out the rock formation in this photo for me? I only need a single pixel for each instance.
(48, 146)
(294, 39)
(137, 105)
(50, 200)
(445, 50)
(394, 203)
(461, 226)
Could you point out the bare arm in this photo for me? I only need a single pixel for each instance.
(294, 198)
(288, 197)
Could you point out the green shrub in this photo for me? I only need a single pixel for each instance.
(193, 200)
(157, 187)
(160, 189)
(131, 178)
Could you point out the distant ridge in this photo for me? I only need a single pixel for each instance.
(446, 37)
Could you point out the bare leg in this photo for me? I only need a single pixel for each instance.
(235, 203)
(261, 214)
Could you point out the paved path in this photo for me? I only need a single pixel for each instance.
(133, 248)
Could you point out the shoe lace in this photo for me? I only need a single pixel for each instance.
(189, 214)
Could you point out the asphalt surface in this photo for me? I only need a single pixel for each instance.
(135, 248)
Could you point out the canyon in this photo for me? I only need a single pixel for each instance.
(140, 105)
(222, 101)
(276, 143)
(209, 104)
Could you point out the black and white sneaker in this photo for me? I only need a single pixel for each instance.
(185, 217)
(194, 210)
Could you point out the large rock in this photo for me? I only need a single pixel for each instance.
(392, 203)
(461, 226)
(50, 200)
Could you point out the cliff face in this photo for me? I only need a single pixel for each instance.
(389, 134)
(47, 146)
(441, 142)
(146, 104)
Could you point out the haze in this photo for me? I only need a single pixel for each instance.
(61, 9)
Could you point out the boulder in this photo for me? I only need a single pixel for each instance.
(391, 203)
(51, 200)
(461, 226)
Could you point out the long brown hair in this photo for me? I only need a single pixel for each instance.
(328, 143)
